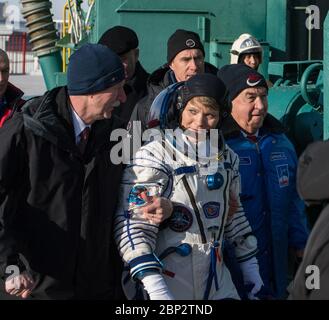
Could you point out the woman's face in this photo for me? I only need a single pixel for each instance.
(196, 117)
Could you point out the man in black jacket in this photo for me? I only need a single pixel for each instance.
(10, 96)
(59, 187)
(185, 58)
(56, 201)
(124, 42)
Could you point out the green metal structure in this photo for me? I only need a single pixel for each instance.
(214, 21)
(300, 88)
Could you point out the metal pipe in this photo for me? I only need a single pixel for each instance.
(43, 37)
(24, 52)
(75, 33)
(91, 4)
(326, 79)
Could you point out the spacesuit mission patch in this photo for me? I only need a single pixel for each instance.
(211, 209)
(181, 219)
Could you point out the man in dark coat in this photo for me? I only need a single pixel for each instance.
(185, 58)
(124, 42)
(312, 278)
(57, 198)
(10, 96)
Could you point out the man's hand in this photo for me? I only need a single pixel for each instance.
(21, 285)
(158, 210)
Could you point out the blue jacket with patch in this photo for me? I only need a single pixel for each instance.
(269, 197)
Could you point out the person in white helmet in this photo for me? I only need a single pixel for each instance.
(246, 49)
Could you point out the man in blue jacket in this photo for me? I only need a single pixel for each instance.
(268, 164)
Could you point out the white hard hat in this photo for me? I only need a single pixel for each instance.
(246, 43)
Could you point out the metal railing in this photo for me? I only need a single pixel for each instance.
(20, 55)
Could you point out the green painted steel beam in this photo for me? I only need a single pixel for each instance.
(276, 24)
(326, 78)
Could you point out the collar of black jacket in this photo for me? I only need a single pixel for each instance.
(13, 93)
(231, 129)
(138, 81)
(49, 116)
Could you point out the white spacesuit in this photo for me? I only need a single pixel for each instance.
(199, 218)
(199, 178)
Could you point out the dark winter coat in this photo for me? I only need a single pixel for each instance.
(135, 89)
(312, 278)
(14, 101)
(56, 205)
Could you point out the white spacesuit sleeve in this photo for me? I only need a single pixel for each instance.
(135, 236)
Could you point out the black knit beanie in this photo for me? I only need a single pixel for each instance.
(93, 68)
(181, 40)
(206, 85)
(238, 77)
(120, 39)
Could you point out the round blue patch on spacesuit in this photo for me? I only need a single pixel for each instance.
(181, 219)
(211, 209)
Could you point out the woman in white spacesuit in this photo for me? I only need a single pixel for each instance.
(188, 162)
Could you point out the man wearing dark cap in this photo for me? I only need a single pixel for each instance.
(59, 186)
(185, 58)
(268, 174)
(10, 96)
(311, 280)
(124, 42)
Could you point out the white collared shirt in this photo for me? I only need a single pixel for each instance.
(78, 125)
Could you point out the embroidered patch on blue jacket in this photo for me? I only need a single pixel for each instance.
(211, 209)
(245, 161)
(283, 175)
(276, 156)
(181, 219)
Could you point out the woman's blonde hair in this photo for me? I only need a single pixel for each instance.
(208, 102)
